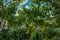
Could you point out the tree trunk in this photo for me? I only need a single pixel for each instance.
(3, 23)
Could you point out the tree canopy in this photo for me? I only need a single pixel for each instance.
(39, 22)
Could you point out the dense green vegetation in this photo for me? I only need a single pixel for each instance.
(34, 23)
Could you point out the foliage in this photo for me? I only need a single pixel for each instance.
(34, 23)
